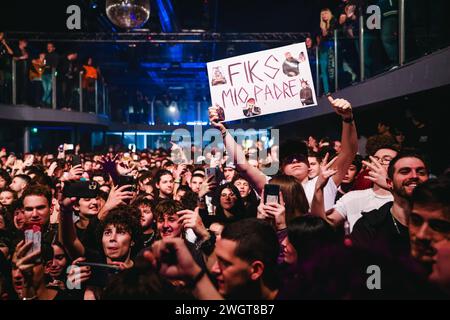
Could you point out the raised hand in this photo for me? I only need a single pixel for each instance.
(207, 186)
(342, 107)
(277, 212)
(191, 219)
(326, 172)
(75, 173)
(173, 259)
(52, 168)
(66, 205)
(117, 196)
(214, 118)
(377, 173)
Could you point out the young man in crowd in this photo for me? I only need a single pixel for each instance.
(352, 205)
(245, 267)
(429, 229)
(388, 225)
(196, 182)
(164, 182)
(20, 183)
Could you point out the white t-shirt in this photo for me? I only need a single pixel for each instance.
(329, 192)
(353, 203)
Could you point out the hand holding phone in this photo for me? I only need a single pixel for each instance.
(273, 209)
(271, 193)
(76, 160)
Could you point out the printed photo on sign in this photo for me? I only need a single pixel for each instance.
(218, 77)
(261, 83)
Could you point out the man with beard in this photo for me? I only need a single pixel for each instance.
(429, 229)
(388, 225)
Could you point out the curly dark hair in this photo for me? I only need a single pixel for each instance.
(121, 217)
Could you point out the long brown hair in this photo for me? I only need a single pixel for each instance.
(294, 196)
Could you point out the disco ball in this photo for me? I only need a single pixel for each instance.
(128, 14)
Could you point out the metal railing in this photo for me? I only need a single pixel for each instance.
(66, 94)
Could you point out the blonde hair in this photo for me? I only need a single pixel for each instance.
(323, 24)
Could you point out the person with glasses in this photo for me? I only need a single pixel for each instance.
(429, 229)
(229, 204)
(351, 206)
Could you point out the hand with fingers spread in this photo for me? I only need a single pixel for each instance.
(207, 186)
(377, 173)
(78, 274)
(342, 107)
(75, 173)
(108, 162)
(191, 219)
(326, 172)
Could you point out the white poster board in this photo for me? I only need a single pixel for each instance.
(261, 83)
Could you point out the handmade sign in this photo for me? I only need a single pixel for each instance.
(260, 83)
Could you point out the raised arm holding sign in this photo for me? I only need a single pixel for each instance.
(262, 83)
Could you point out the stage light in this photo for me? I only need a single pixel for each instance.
(128, 14)
(34, 130)
(173, 107)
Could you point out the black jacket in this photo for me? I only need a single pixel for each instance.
(376, 228)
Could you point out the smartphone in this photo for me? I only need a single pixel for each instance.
(33, 234)
(100, 273)
(80, 189)
(127, 180)
(271, 193)
(209, 172)
(100, 266)
(76, 160)
(67, 147)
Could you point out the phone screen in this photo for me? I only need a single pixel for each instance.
(271, 193)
